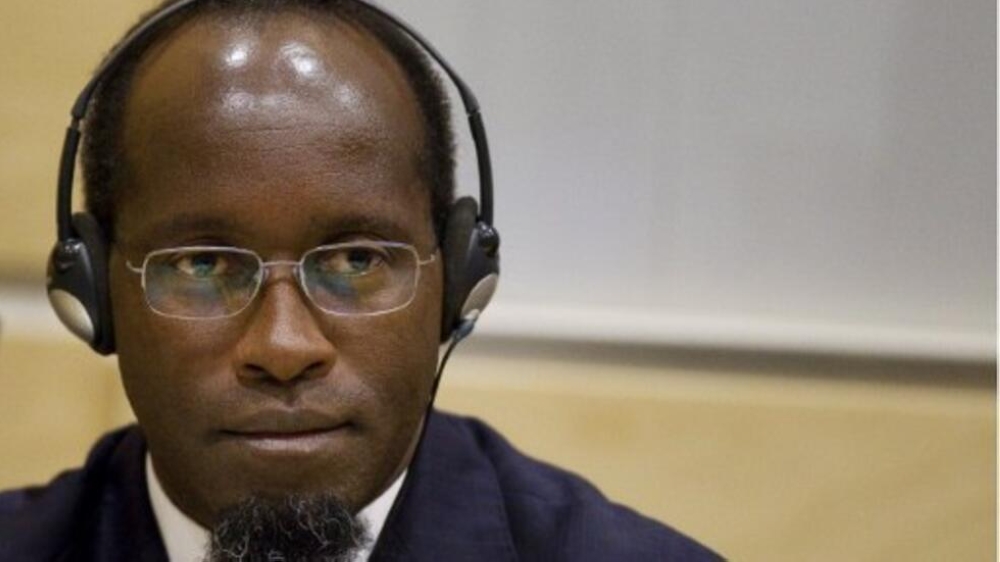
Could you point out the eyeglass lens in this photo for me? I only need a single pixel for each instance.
(362, 278)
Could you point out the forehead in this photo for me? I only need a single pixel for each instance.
(239, 64)
(260, 108)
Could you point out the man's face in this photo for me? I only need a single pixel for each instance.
(277, 136)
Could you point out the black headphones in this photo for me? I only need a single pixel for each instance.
(78, 266)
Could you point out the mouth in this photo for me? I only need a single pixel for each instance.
(301, 442)
(286, 433)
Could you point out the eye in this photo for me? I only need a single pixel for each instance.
(201, 264)
(351, 261)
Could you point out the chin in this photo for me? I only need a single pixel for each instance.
(274, 470)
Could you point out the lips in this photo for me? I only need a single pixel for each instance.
(293, 432)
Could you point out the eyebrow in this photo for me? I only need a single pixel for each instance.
(190, 224)
(194, 224)
(361, 223)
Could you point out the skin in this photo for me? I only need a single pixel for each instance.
(277, 135)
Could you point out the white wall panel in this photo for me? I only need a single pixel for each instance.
(822, 166)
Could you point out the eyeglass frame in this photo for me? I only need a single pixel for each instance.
(296, 265)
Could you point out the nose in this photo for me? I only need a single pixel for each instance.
(282, 340)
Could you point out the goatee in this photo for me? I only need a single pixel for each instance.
(289, 529)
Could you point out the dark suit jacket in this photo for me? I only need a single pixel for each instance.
(469, 496)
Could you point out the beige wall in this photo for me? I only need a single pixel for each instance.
(46, 59)
(765, 458)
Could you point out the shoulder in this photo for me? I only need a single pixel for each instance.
(554, 514)
(36, 523)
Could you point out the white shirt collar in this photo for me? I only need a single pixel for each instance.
(187, 541)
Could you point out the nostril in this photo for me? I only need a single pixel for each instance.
(317, 369)
(256, 372)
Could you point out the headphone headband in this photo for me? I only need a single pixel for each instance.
(67, 164)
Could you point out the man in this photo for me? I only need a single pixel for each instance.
(273, 180)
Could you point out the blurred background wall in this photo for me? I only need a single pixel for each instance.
(749, 260)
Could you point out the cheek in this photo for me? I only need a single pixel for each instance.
(398, 351)
(163, 361)
(394, 358)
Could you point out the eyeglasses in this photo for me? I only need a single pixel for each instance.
(351, 279)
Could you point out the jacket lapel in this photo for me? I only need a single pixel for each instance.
(451, 507)
(124, 527)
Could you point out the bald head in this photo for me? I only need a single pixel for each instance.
(270, 89)
(254, 68)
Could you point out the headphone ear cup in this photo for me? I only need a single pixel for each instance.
(457, 236)
(471, 265)
(90, 231)
(78, 284)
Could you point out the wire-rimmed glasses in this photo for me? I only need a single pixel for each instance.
(350, 279)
